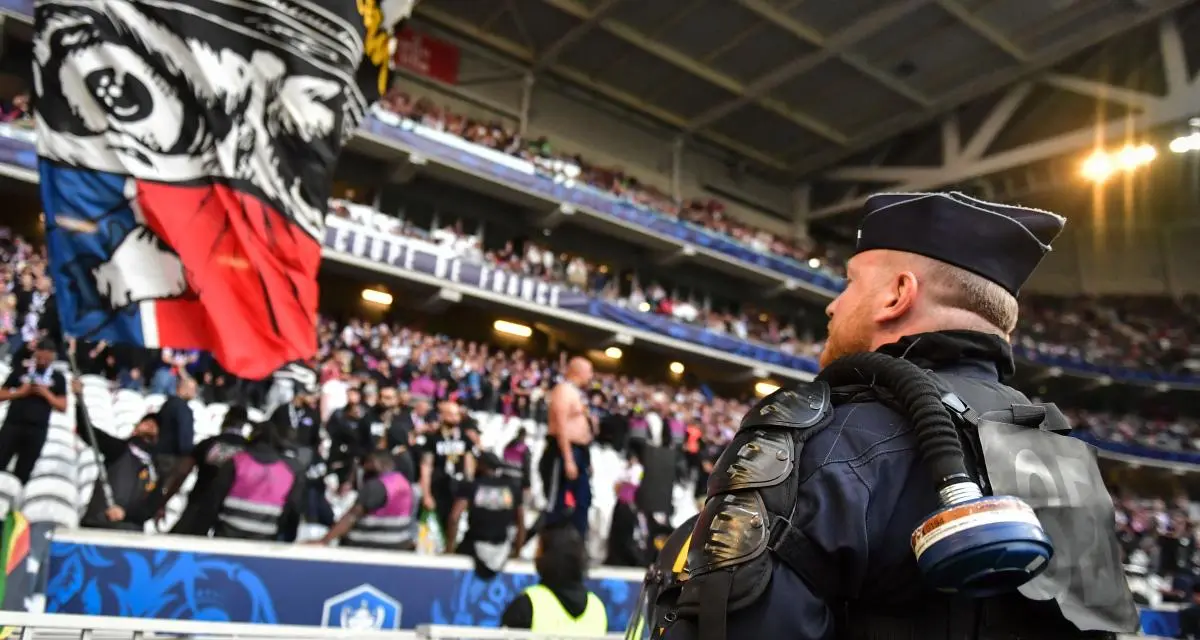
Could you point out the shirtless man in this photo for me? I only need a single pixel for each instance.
(567, 460)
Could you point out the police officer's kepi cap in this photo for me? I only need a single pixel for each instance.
(1002, 243)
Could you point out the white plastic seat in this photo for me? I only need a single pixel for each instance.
(154, 402)
(51, 499)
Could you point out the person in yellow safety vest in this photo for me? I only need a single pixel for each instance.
(559, 603)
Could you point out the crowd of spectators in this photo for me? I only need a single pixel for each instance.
(708, 212)
(1146, 334)
(1159, 541)
(531, 259)
(1143, 333)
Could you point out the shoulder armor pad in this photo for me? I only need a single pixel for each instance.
(800, 407)
(754, 459)
(731, 530)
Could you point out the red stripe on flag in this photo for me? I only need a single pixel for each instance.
(252, 272)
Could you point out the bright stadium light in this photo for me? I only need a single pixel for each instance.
(1098, 167)
(613, 353)
(764, 388)
(375, 296)
(676, 368)
(1186, 144)
(512, 328)
(1102, 165)
(1131, 157)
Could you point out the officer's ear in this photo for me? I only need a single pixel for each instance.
(899, 297)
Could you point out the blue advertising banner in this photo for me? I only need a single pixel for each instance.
(102, 573)
(423, 257)
(694, 334)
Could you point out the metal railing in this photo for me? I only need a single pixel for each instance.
(446, 632)
(58, 626)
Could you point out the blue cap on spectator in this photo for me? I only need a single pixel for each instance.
(1002, 243)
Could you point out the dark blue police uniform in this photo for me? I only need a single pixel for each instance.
(808, 532)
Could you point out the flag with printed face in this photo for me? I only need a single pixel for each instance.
(186, 151)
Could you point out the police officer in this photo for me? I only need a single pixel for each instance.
(817, 520)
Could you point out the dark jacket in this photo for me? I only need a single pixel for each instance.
(131, 475)
(862, 492)
(176, 427)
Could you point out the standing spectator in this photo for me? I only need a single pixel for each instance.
(492, 504)
(176, 428)
(33, 392)
(566, 464)
(132, 478)
(445, 462)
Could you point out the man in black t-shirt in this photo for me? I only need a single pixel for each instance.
(33, 391)
(387, 428)
(445, 461)
(492, 502)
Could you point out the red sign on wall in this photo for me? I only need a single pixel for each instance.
(426, 56)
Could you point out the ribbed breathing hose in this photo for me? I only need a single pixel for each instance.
(909, 385)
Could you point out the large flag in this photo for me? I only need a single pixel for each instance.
(186, 156)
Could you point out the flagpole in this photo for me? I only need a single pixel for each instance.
(91, 432)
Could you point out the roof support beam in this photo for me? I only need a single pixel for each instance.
(990, 82)
(1101, 91)
(572, 35)
(996, 120)
(527, 57)
(1175, 107)
(690, 65)
(951, 139)
(813, 37)
(834, 45)
(1175, 66)
(983, 29)
(953, 152)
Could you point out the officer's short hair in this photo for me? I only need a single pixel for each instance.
(960, 289)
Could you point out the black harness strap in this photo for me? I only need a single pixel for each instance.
(714, 603)
(794, 549)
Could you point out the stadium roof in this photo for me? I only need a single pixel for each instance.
(799, 87)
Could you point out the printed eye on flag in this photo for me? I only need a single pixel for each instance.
(186, 158)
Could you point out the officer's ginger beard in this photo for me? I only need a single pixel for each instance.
(889, 295)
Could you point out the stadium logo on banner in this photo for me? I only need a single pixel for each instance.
(362, 608)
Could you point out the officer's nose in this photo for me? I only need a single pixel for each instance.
(829, 307)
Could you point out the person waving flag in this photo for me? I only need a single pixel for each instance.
(186, 151)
